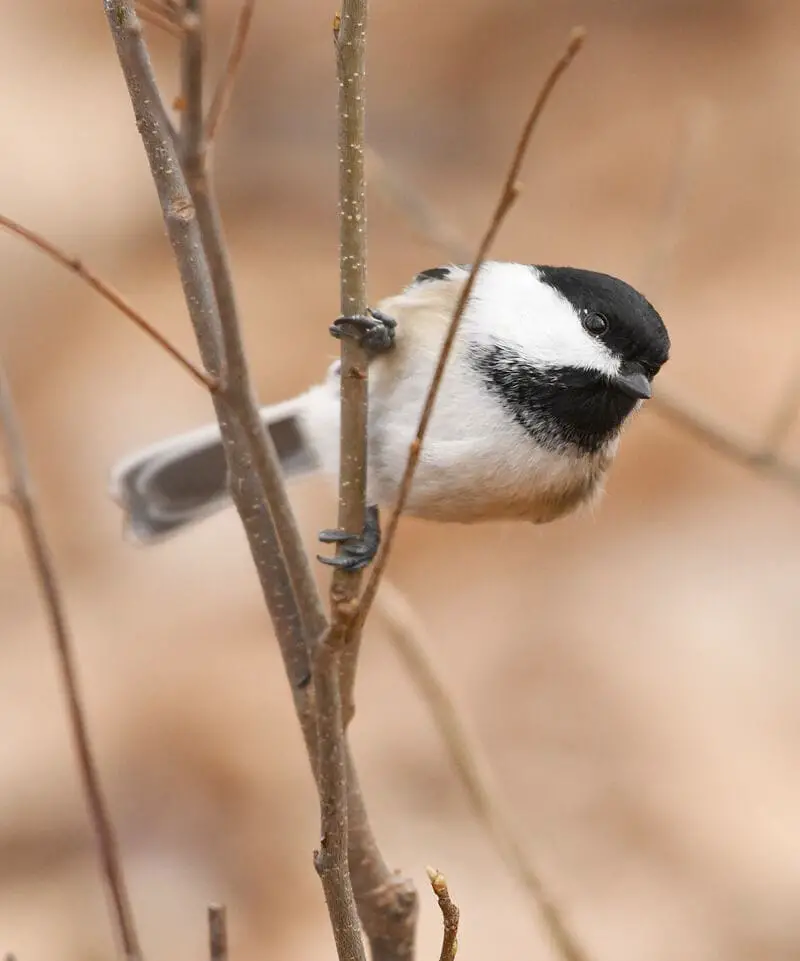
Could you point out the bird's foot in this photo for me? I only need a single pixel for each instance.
(356, 550)
(374, 331)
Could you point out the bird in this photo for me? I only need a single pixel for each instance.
(547, 366)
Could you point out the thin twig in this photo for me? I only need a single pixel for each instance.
(762, 457)
(235, 374)
(508, 196)
(387, 902)
(763, 461)
(331, 860)
(161, 22)
(409, 638)
(222, 95)
(349, 34)
(44, 568)
(217, 933)
(171, 10)
(105, 290)
(192, 63)
(450, 915)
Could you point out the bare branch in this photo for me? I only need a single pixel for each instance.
(350, 44)
(192, 62)
(249, 454)
(217, 933)
(756, 457)
(450, 915)
(236, 377)
(44, 568)
(152, 16)
(105, 290)
(169, 10)
(222, 94)
(762, 457)
(507, 198)
(256, 484)
(409, 639)
(331, 860)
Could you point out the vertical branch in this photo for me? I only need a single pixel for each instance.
(331, 860)
(450, 915)
(222, 94)
(350, 43)
(235, 376)
(44, 568)
(217, 933)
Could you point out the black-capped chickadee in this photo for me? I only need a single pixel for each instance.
(547, 365)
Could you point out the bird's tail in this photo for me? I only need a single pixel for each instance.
(175, 482)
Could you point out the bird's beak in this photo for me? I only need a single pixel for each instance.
(633, 383)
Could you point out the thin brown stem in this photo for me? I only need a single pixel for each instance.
(508, 196)
(450, 915)
(331, 860)
(409, 639)
(350, 46)
(222, 94)
(217, 933)
(754, 456)
(160, 21)
(76, 265)
(47, 576)
(192, 63)
(171, 9)
(235, 374)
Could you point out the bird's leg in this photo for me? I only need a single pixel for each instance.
(374, 331)
(356, 550)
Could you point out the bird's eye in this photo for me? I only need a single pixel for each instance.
(595, 324)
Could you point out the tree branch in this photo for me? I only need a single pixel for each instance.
(234, 404)
(508, 196)
(217, 933)
(222, 95)
(236, 376)
(409, 639)
(450, 915)
(349, 34)
(44, 568)
(331, 860)
(76, 265)
(192, 222)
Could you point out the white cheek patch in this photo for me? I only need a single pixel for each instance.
(510, 304)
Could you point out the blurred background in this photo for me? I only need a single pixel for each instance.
(632, 673)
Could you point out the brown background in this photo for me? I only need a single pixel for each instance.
(633, 673)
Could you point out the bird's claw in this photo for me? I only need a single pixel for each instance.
(374, 331)
(355, 550)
